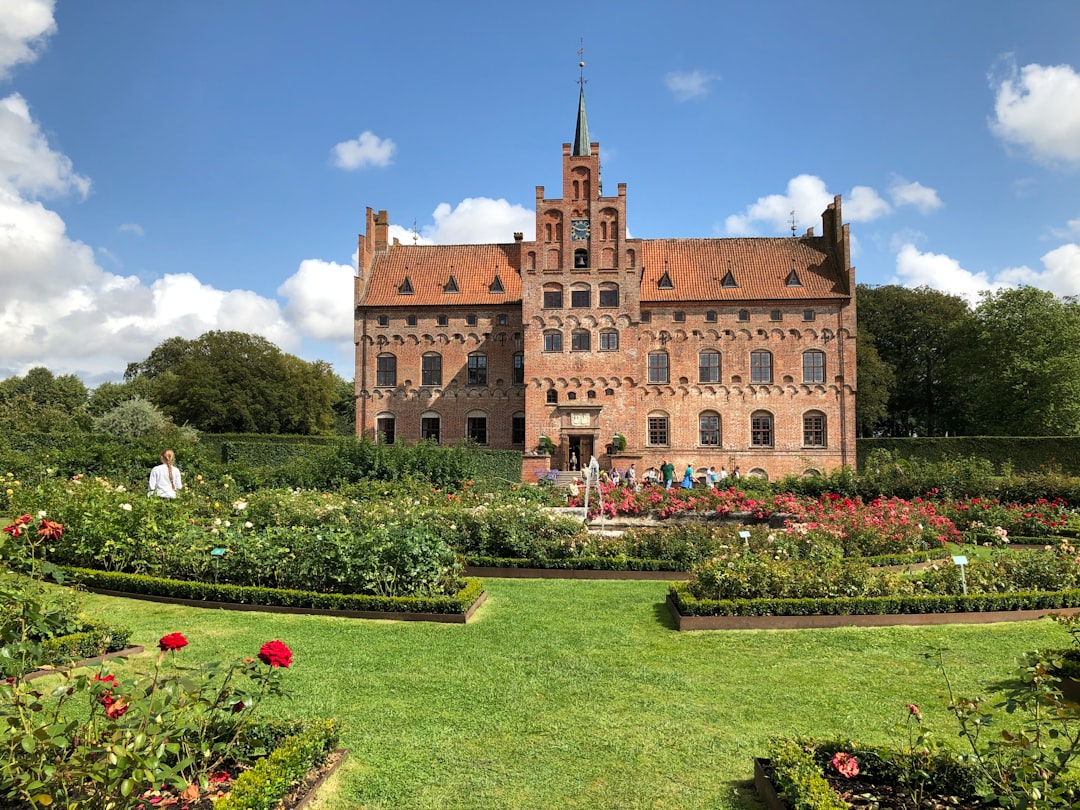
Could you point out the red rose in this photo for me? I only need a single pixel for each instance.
(173, 641)
(109, 679)
(50, 530)
(15, 529)
(276, 654)
(115, 709)
(846, 765)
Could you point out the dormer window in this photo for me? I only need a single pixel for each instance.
(405, 288)
(665, 282)
(496, 285)
(729, 280)
(451, 286)
(792, 279)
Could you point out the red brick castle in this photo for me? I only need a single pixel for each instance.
(585, 342)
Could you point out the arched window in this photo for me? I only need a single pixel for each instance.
(553, 297)
(813, 429)
(658, 367)
(476, 427)
(761, 429)
(386, 370)
(813, 366)
(659, 429)
(709, 366)
(580, 340)
(552, 396)
(431, 369)
(609, 294)
(609, 340)
(580, 296)
(384, 428)
(477, 371)
(760, 367)
(431, 427)
(553, 341)
(709, 428)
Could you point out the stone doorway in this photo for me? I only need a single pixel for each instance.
(579, 449)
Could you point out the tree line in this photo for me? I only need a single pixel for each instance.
(929, 364)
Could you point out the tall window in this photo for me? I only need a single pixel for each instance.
(609, 341)
(813, 429)
(431, 369)
(813, 366)
(517, 428)
(580, 340)
(384, 430)
(709, 367)
(429, 427)
(553, 297)
(760, 367)
(761, 429)
(658, 430)
(580, 297)
(609, 294)
(709, 429)
(552, 341)
(658, 367)
(552, 396)
(519, 369)
(477, 369)
(476, 429)
(386, 370)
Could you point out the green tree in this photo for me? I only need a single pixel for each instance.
(918, 333)
(110, 394)
(344, 407)
(234, 382)
(42, 402)
(1026, 344)
(876, 381)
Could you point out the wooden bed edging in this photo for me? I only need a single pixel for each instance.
(485, 572)
(82, 662)
(863, 620)
(310, 794)
(391, 615)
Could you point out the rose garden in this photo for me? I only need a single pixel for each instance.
(326, 598)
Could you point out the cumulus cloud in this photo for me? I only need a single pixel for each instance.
(131, 227)
(685, 85)
(1037, 107)
(1071, 229)
(1060, 273)
(27, 164)
(367, 150)
(479, 220)
(320, 298)
(922, 198)
(24, 26)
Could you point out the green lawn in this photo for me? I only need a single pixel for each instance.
(580, 694)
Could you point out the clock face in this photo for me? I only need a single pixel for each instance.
(579, 229)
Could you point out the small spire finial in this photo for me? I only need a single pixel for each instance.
(581, 144)
(415, 235)
(794, 223)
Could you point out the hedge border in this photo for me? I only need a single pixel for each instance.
(450, 609)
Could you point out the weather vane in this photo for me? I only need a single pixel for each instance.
(581, 63)
(415, 235)
(794, 223)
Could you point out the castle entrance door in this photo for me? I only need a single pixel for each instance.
(579, 451)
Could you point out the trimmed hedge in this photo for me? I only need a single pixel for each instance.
(688, 605)
(1023, 453)
(459, 603)
(271, 778)
(576, 563)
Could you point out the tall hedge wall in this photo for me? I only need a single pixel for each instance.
(1023, 453)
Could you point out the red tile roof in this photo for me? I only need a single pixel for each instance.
(760, 267)
(429, 268)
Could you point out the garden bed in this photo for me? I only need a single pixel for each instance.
(83, 662)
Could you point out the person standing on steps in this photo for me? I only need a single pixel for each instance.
(667, 473)
(165, 478)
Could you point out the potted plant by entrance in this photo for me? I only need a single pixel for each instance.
(618, 441)
(547, 447)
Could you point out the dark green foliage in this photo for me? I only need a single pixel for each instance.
(92, 640)
(468, 592)
(1036, 456)
(798, 777)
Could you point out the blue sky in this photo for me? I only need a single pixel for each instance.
(170, 168)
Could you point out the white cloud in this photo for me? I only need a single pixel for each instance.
(27, 164)
(863, 204)
(916, 269)
(24, 25)
(408, 236)
(367, 150)
(131, 227)
(1061, 274)
(479, 220)
(924, 199)
(1038, 107)
(1071, 229)
(320, 298)
(687, 85)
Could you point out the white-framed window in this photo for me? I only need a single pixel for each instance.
(813, 366)
(760, 367)
(709, 366)
(761, 429)
(659, 430)
(658, 367)
(813, 429)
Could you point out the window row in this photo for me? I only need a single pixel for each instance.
(471, 319)
(581, 340)
(581, 295)
(761, 429)
(761, 367)
(431, 428)
(431, 369)
(743, 316)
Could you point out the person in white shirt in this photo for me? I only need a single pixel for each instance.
(165, 478)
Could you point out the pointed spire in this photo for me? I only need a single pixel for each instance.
(581, 134)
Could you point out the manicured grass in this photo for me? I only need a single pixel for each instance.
(580, 694)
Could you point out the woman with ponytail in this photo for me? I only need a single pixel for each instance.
(165, 478)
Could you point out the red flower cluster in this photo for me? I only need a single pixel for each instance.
(276, 654)
(16, 528)
(114, 707)
(50, 530)
(845, 764)
(171, 642)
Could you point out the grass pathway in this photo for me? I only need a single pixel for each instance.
(580, 694)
